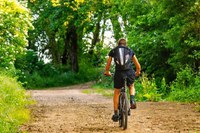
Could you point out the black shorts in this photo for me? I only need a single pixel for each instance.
(119, 78)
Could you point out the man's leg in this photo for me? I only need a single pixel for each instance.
(116, 101)
(132, 96)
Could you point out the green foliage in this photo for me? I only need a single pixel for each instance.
(163, 89)
(14, 25)
(28, 61)
(28, 64)
(164, 34)
(186, 86)
(36, 74)
(50, 76)
(104, 81)
(13, 101)
(147, 89)
(198, 108)
(58, 23)
(99, 89)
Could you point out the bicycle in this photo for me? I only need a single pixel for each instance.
(123, 108)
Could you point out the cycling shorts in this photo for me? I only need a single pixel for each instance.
(119, 77)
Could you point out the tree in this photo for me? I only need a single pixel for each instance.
(61, 26)
(15, 21)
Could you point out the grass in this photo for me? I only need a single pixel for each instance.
(13, 105)
(198, 108)
(98, 89)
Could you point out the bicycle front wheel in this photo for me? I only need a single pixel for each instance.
(125, 112)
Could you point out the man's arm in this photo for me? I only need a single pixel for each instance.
(107, 72)
(137, 64)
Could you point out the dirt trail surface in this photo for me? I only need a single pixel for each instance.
(68, 110)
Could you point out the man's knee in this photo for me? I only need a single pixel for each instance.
(131, 86)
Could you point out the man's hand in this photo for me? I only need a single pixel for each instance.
(137, 73)
(137, 64)
(107, 73)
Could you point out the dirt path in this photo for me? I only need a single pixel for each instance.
(67, 109)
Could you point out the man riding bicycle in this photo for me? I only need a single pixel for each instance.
(123, 58)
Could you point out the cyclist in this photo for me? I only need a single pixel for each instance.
(123, 58)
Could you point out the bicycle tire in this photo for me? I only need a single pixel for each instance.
(125, 112)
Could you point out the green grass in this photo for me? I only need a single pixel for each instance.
(99, 89)
(198, 107)
(13, 105)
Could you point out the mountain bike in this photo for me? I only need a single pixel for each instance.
(123, 108)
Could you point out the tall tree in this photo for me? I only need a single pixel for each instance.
(15, 21)
(61, 27)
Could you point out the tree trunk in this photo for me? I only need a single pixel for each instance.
(54, 49)
(67, 47)
(70, 53)
(103, 30)
(74, 50)
(95, 39)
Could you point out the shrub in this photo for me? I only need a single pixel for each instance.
(186, 86)
(51, 76)
(147, 89)
(13, 103)
(164, 88)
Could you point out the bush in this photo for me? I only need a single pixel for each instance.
(147, 89)
(36, 74)
(13, 103)
(186, 86)
(51, 76)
